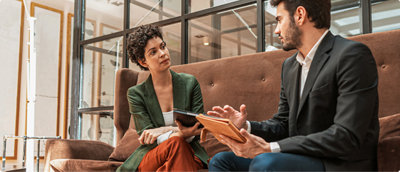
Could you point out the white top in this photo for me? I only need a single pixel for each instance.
(168, 118)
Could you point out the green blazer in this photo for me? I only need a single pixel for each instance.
(147, 114)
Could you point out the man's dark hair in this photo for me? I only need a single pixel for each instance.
(319, 11)
(137, 40)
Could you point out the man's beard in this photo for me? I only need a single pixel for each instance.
(292, 40)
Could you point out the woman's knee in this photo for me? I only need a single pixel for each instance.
(176, 139)
(178, 143)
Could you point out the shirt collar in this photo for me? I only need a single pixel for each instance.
(311, 54)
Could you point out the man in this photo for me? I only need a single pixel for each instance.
(327, 115)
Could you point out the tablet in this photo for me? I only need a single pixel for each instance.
(187, 119)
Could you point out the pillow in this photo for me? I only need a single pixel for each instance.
(389, 126)
(126, 146)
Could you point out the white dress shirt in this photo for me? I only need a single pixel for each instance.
(305, 67)
(306, 62)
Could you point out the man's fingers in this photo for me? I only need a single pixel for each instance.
(229, 109)
(233, 144)
(213, 113)
(225, 140)
(226, 107)
(218, 109)
(243, 109)
(245, 134)
(250, 137)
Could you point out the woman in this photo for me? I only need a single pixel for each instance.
(163, 147)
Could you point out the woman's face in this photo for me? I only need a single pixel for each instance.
(157, 55)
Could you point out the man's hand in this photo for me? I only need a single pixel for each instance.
(251, 148)
(187, 132)
(237, 118)
(149, 136)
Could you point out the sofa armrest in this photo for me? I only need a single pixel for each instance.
(76, 149)
(389, 154)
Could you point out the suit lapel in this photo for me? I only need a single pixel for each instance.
(294, 88)
(152, 104)
(321, 56)
(179, 91)
(295, 73)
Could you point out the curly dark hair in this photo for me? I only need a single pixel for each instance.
(137, 40)
(318, 10)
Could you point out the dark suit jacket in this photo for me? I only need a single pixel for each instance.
(336, 118)
(147, 114)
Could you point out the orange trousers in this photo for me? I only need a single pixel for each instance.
(174, 154)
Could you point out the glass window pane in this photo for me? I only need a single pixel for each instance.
(87, 73)
(98, 126)
(172, 36)
(225, 34)
(110, 13)
(345, 19)
(150, 11)
(100, 63)
(272, 41)
(385, 15)
(197, 5)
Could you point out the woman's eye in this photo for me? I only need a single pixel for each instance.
(153, 52)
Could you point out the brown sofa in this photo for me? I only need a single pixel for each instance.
(250, 79)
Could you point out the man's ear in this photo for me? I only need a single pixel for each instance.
(143, 63)
(300, 15)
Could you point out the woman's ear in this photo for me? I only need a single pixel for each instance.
(143, 63)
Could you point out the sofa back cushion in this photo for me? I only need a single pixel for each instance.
(385, 47)
(124, 79)
(252, 79)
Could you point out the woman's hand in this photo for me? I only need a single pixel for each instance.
(187, 132)
(149, 136)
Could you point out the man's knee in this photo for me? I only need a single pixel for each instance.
(220, 159)
(265, 162)
(217, 158)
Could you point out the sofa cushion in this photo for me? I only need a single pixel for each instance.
(83, 165)
(126, 146)
(389, 154)
(389, 126)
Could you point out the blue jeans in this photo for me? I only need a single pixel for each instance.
(228, 161)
